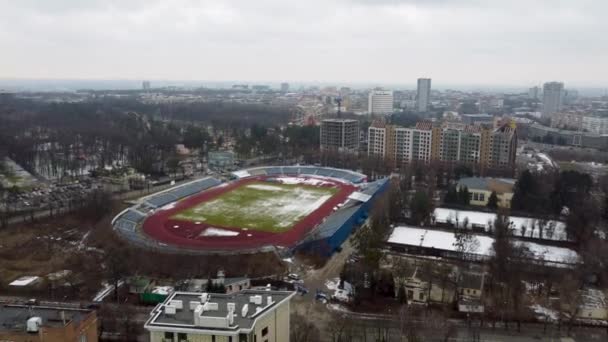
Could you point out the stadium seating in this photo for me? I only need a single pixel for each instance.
(349, 176)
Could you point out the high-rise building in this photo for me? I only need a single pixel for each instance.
(380, 102)
(534, 93)
(248, 315)
(145, 85)
(450, 142)
(400, 144)
(340, 135)
(552, 98)
(423, 96)
(284, 87)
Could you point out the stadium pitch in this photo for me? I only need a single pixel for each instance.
(259, 206)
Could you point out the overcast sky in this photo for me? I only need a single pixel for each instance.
(508, 42)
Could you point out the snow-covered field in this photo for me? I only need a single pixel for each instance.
(521, 226)
(447, 241)
(303, 180)
(261, 206)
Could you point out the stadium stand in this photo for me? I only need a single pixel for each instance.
(327, 237)
(344, 175)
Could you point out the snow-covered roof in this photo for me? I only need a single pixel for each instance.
(552, 229)
(447, 241)
(25, 281)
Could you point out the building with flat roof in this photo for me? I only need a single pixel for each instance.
(340, 134)
(423, 95)
(552, 98)
(48, 324)
(449, 142)
(480, 189)
(245, 316)
(380, 102)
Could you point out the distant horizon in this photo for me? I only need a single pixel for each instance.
(74, 84)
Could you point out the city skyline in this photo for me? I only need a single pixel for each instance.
(458, 42)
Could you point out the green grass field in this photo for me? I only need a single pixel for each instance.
(260, 206)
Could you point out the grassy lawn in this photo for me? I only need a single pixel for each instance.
(260, 206)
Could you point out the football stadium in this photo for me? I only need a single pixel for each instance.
(285, 208)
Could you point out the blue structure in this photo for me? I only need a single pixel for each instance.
(329, 235)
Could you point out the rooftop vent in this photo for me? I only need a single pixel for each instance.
(257, 299)
(244, 310)
(178, 304)
(170, 310)
(204, 297)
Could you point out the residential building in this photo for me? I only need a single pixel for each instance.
(477, 119)
(499, 147)
(470, 292)
(480, 189)
(48, 324)
(246, 316)
(380, 102)
(145, 85)
(399, 144)
(423, 96)
(552, 98)
(450, 142)
(416, 286)
(595, 124)
(534, 93)
(340, 134)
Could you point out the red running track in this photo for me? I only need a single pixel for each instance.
(160, 226)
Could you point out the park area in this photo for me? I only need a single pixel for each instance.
(262, 206)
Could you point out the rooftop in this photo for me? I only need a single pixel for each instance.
(499, 185)
(14, 317)
(339, 120)
(218, 312)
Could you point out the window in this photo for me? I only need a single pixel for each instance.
(212, 338)
(182, 337)
(482, 197)
(83, 338)
(264, 331)
(169, 335)
(421, 296)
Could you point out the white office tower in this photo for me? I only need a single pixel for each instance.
(552, 98)
(423, 97)
(380, 102)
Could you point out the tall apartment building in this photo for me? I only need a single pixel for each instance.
(48, 324)
(399, 144)
(340, 134)
(450, 142)
(423, 96)
(552, 98)
(246, 316)
(380, 102)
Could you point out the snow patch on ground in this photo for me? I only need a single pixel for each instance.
(264, 187)
(168, 206)
(332, 284)
(302, 180)
(542, 312)
(338, 307)
(218, 232)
